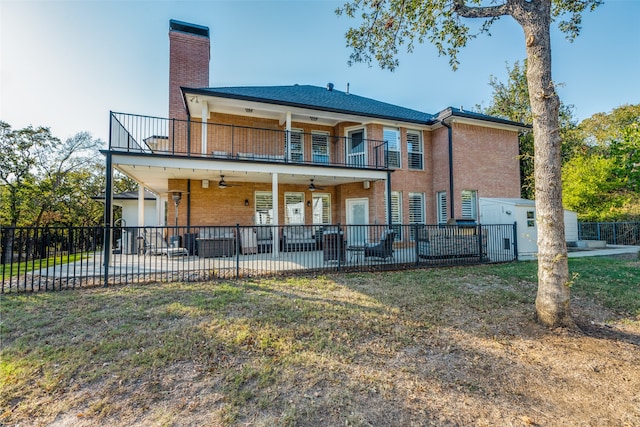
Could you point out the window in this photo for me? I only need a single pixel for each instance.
(264, 208)
(321, 208)
(416, 210)
(356, 148)
(531, 218)
(392, 138)
(442, 207)
(296, 146)
(469, 204)
(396, 213)
(294, 208)
(414, 150)
(320, 147)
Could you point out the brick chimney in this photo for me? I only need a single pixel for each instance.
(189, 54)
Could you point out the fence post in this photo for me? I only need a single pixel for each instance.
(479, 233)
(515, 240)
(238, 240)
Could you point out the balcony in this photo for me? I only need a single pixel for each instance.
(180, 138)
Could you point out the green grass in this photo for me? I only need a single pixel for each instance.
(262, 342)
(15, 268)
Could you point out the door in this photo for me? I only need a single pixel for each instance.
(356, 148)
(357, 220)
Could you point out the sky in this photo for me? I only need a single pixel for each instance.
(66, 64)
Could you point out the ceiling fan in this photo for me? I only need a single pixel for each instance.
(313, 187)
(223, 183)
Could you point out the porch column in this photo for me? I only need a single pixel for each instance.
(205, 119)
(140, 205)
(275, 235)
(287, 147)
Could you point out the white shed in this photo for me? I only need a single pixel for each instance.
(523, 213)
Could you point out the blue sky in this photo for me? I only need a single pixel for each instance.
(66, 64)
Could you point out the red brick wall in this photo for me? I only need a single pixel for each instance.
(188, 67)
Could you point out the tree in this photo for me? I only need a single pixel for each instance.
(603, 182)
(388, 24)
(45, 180)
(22, 150)
(511, 101)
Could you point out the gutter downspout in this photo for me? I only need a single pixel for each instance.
(451, 198)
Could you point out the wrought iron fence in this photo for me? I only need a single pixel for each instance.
(37, 259)
(614, 233)
(153, 135)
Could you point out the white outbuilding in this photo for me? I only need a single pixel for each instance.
(522, 212)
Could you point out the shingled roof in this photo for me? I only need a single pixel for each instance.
(318, 98)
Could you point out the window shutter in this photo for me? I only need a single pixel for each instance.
(469, 208)
(442, 207)
(296, 152)
(416, 210)
(294, 208)
(414, 150)
(321, 209)
(392, 137)
(320, 147)
(264, 212)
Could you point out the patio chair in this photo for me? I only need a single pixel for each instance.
(382, 249)
(155, 244)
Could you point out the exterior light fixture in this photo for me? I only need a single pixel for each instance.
(246, 202)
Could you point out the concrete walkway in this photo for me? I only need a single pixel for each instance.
(607, 251)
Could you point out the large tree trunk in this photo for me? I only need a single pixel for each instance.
(552, 302)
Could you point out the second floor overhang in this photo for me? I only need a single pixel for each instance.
(155, 171)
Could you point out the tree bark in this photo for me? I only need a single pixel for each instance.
(552, 301)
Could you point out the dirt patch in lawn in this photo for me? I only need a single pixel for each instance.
(444, 348)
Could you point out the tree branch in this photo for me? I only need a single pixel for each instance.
(461, 8)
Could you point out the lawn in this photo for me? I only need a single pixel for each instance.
(450, 347)
(15, 268)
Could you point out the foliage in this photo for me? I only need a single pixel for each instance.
(387, 25)
(602, 183)
(22, 152)
(590, 188)
(601, 129)
(46, 181)
(511, 101)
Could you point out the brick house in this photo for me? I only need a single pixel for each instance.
(306, 154)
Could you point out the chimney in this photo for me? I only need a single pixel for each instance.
(189, 54)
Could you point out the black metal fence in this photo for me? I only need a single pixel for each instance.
(614, 233)
(41, 259)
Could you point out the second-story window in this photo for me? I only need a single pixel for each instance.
(296, 146)
(392, 138)
(415, 150)
(320, 147)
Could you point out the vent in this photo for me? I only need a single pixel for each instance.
(185, 27)
(329, 87)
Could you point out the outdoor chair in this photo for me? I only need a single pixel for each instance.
(382, 249)
(264, 238)
(155, 244)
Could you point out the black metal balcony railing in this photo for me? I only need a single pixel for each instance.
(153, 135)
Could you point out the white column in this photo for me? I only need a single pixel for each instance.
(288, 139)
(205, 119)
(141, 206)
(274, 207)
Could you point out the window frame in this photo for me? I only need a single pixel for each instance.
(396, 143)
(412, 153)
(317, 134)
(299, 211)
(259, 211)
(469, 202)
(443, 208)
